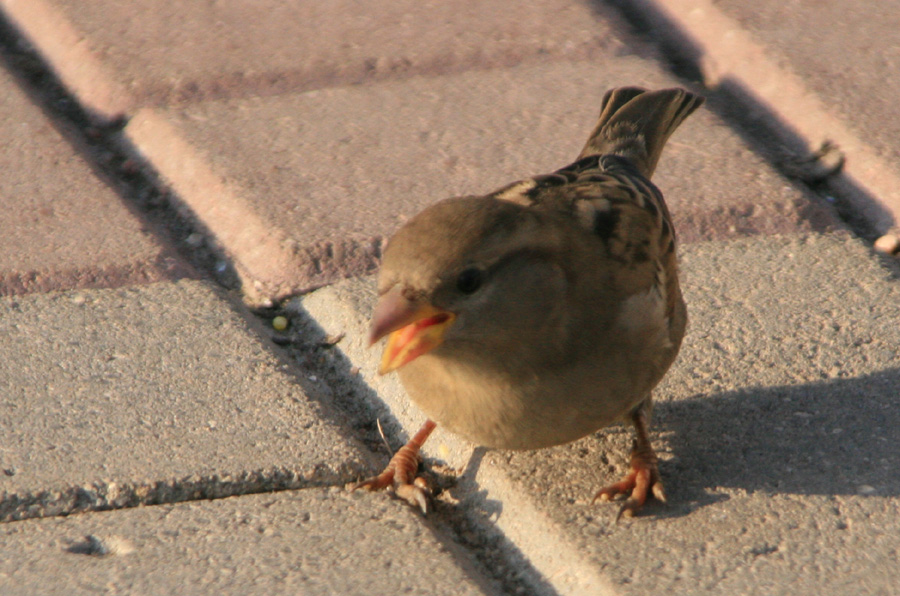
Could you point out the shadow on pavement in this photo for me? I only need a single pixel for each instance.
(837, 437)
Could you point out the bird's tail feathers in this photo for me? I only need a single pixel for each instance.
(636, 123)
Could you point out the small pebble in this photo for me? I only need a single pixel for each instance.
(130, 167)
(865, 489)
(888, 244)
(102, 546)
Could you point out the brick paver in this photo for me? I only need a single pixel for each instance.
(149, 394)
(282, 543)
(62, 226)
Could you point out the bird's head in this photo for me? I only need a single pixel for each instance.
(468, 275)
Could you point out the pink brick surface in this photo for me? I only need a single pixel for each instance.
(250, 112)
(61, 226)
(847, 52)
(324, 176)
(158, 52)
(805, 73)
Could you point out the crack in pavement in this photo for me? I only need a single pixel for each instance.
(109, 495)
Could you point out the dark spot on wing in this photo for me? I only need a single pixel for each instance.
(549, 180)
(605, 223)
(640, 253)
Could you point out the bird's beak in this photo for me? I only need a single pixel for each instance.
(414, 328)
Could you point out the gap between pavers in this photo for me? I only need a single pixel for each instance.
(314, 541)
(774, 429)
(164, 392)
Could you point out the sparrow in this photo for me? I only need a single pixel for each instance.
(543, 311)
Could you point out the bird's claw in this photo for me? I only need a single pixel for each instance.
(642, 481)
(417, 493)
(383, 480)
(400, 473)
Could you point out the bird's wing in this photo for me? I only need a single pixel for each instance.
(608, 197)
(608, 189)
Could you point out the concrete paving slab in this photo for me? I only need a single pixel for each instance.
(151, 394)
(775, 431)
(62, 227)
(302, 188)
(315, 541)
(116, 57)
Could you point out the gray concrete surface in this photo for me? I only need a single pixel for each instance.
(283, 543)
(91, 239)
(130, 396)
(775, 428)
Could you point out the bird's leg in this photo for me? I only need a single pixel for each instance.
(400, 472)
(644, 473)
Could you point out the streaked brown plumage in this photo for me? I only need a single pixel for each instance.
(548, 309)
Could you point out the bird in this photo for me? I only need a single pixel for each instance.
(546, 310)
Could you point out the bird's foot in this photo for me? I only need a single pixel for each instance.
(402, 467)
(400, 473)
(642, 481)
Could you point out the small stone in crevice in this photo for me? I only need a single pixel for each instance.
(98, 546)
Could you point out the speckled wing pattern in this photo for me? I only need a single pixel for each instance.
(608, 196)
(608, 189)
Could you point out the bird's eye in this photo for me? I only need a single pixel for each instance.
(469, 280)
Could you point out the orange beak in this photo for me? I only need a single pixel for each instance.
(413, 328)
